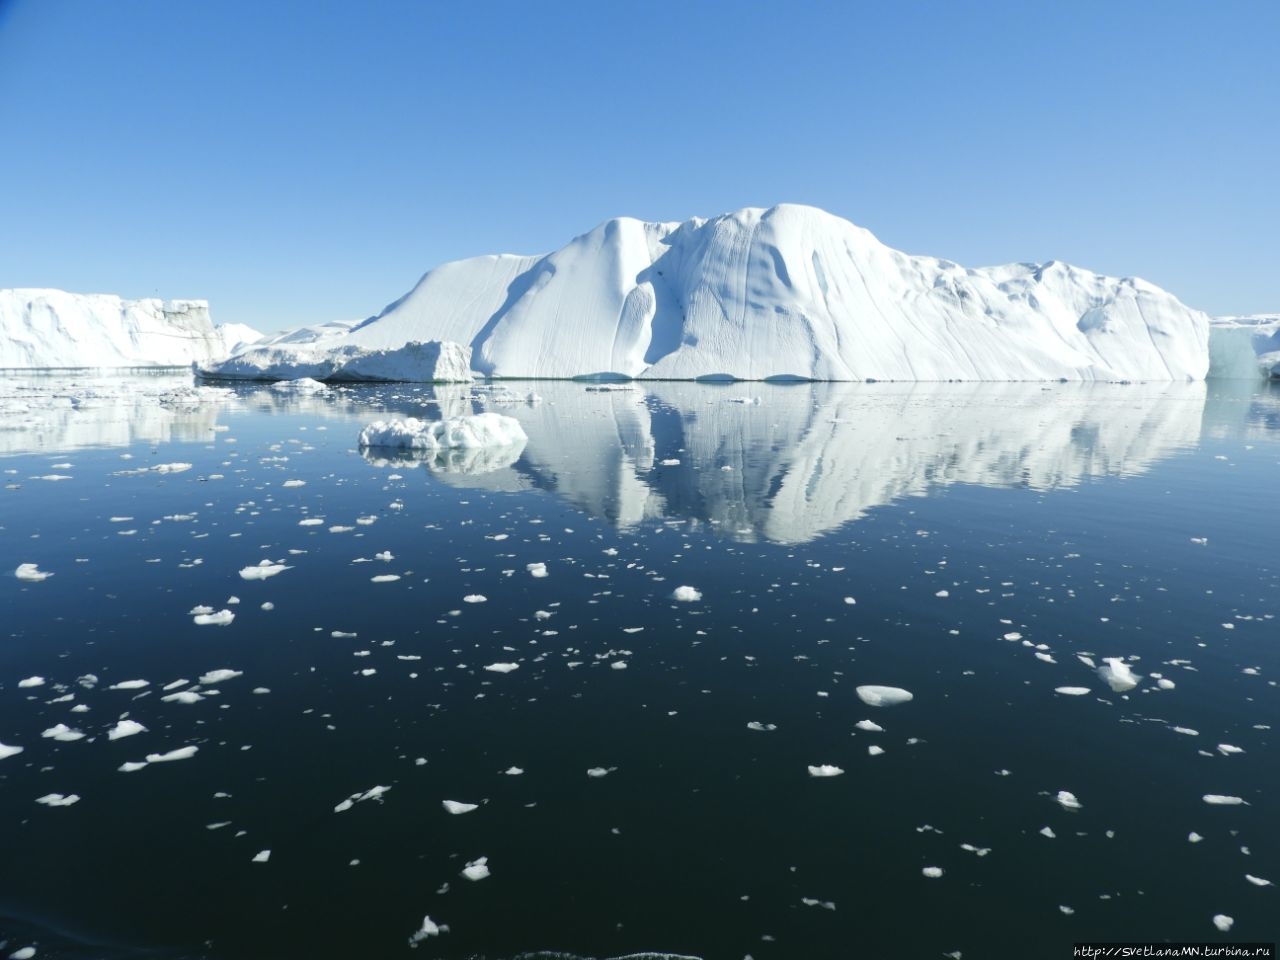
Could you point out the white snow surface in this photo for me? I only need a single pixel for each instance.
(42, 328)
(787, 292)
(465, 432)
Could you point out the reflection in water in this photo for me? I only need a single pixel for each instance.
(806, 459)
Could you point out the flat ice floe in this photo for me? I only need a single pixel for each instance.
(1071, 691)
(457, 807)
(477, 869)
(264, 569)
(502, 667)
(932, 872)
(686, 594)
(1221, 800)
(373, 793)
(125, 728)
(181, 753)
(429, 928)
(1223, 922)
(1068, 800)
(220, 619)
(825, 770)
(130, 685)
(58, 799)
(30, 682)
(9, 751)
(467, 433)
(218, 676)
(31, 572)
(874, 695)
(63, 733)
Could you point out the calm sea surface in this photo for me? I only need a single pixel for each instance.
(640, 765)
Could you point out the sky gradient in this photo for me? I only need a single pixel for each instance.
(298, 162)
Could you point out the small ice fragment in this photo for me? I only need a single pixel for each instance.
(7, 751)
(1257, 881)
(671, 462)
(385, 578)
(686, 594)
(502, 667)
(1223, 922)
(825, 770)
(761, 727)
(183, 696)
(131, 766)
(31, 682)
(25, 953)
(874, 750)
(262, 856)
(474, 598)
(1200, 541)
(476, 869)
(874, 695)
(513, 771)
(63, 733)
(943, 593)
(1047, 832)
(311, 522)
(1068, 911)
(599, 771)
(1071, 691)
(933, 872)
(870, 726)
(1117, 674)
(182, 753)
(429, 929)
(456, 807)
(31, 572)
(294, 483)
(218, 676)
(125, 728)
(130, 685)
(265, 568)
(58, 800)
(1186, 731)
(536, 569)
(1194, 837)
(1068, 800)
(1164, 683)
(618, 665)
(220, 619)
(1217, 799)
(1227, 749)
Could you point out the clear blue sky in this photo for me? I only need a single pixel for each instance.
(296, 162)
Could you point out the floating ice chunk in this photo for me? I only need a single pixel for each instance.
(1194, 837)
(311, 522)
(264, 569)
(182, 753)
(618, 665)
(130, 685)
(1071, 691)
(220, 619)
(1227, 749)
(197, 610)
(943, 593)
(1223, 922)
(502, 667)
(671, 462)
(874, 750)
(294, 483)
(62, 732)
(1164, 683)
(536, 569)
(219, 676)
(131, 766)
(932, 872)
(686, 594)
(58, 800)
(171, 467)
(1117, 674)
(31, 572)
(183, 696)
(1221, 800)
(429, 928)
(24, 953)
(1186, 731)
(7, 751)
(468, 433)
(476, 869)
(125, 728)
(456, 807)
(31, 682)
(761, 727)
(979, 851)
(870, 726)
(385, 578)
(1047, 832)
(1200, 541)
(475, 598)
(1067, 800)
(262, 856)
(1257, 881)
(825, 770)
(600, 771)
(850, 601)
(874, 695)
(513, 771)
(1067, 911)
(373, 793)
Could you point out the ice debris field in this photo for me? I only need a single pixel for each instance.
(336, 671)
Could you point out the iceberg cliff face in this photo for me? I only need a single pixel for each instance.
(1245, 348)
(789, 292)
(52, 328)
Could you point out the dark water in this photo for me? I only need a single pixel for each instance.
(1114, 521)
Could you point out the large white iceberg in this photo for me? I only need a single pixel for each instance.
(42, 328)
(331, 359)
(789, 292)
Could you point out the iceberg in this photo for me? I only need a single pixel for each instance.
(327, 360)
(41, 328)
(1245, 348)
(792, 292)
(478, 431)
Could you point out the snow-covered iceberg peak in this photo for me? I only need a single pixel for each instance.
(788, 292)
(52, 328)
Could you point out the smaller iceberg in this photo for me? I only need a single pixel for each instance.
(467, 433)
